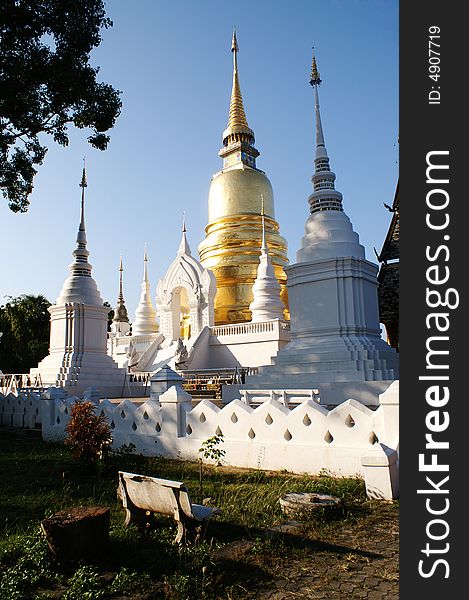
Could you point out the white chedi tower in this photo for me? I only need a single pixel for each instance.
(78, 334)
(145, 315)
(266, 305)
(336, 344)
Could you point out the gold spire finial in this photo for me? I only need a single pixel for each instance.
(237, 133)
(237, 116)
(315, 78)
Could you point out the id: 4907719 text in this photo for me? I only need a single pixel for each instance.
(434, 96)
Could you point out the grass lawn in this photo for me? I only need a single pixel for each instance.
(355, 545)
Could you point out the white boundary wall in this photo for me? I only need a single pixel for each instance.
(349, 440)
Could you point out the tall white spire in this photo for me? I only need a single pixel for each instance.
(325, 196)
(266, 304)
(329, 232)
(145, 315)
(80, 285)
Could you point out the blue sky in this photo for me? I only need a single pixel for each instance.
(172, 62)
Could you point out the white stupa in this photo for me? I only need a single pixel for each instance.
(145, 315)
(78, 334)
(266, 304)
(336, 343)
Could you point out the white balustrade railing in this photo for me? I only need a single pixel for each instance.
(139, 339)
(15, 382)
(238, 329)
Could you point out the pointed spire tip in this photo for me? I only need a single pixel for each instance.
(234, 42)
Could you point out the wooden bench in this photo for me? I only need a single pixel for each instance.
(143, 496)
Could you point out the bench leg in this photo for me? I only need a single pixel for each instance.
(128, 517)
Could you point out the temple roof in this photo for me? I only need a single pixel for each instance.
(388, 276)
(390, 250)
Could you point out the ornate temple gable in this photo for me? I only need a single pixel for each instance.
(185, 313)
(188, 273)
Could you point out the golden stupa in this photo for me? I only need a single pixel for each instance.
(233, 235)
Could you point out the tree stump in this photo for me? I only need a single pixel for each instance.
(78, 533)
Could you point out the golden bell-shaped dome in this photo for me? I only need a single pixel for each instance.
(239, 190)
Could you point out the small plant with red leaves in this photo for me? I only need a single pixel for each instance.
(88, 434)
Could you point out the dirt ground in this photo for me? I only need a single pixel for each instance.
(359, 561)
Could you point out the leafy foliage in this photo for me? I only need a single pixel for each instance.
(88, 434)
(47, 83)
(110, 315)
(126, 580)
(24, 322)
(32, 566)
(85, 585)
(210, 448)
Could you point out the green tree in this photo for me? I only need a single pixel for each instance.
(24, 322)
(47, 83)
(110, 315)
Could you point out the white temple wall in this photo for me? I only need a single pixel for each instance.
(78, 325)
(243, 354)
(20, 410)
(95, 334)
(333, 293)
(247, 344)
(58, 329)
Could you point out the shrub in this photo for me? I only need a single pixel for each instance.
(88, 434)
(210, 449)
